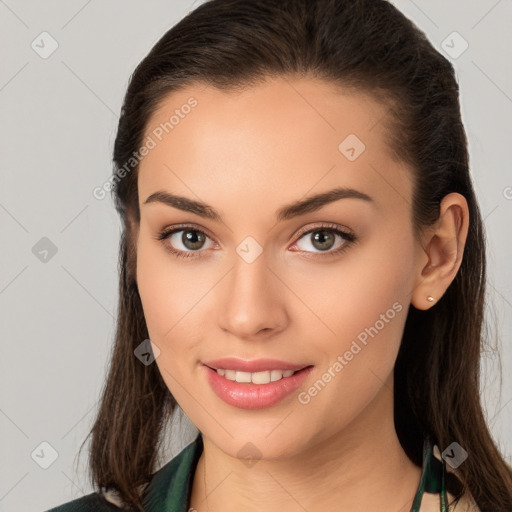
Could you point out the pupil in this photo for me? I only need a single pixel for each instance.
(192, 239)
(321, 237)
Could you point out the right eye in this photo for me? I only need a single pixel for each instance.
(190, 238)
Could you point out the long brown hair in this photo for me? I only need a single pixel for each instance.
(364, 44)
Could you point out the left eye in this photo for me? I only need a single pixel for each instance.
(324, 240)
(191, 239)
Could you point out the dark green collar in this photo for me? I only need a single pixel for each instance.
(171, 486)
(432, 478)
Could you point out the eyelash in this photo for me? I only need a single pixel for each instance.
(349, 238)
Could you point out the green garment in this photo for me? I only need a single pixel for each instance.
(170, 487)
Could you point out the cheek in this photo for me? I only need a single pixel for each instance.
(364, 303)
(165, 290)
(173, 301)
(354, 364)
(165, 306)
(153, 285)
(350, 296)
(381, 274)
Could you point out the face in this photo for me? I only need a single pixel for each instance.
(324, 287)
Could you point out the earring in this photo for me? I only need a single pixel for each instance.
(430, 299)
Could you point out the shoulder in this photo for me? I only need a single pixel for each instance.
(466, 503)
(94, 502)
(431, 503)
(169, 486)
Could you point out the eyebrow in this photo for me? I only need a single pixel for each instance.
(308, 205)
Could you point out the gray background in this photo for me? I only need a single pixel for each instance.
(58, 120)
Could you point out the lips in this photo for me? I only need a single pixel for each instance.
(251, 395)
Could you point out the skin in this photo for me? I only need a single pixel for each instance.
(247, 154)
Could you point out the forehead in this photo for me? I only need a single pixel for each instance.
(286, 135)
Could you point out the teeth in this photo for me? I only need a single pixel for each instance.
(276, 375)
(230, 374)
(243, 377)
(256, 377)
(262, 377)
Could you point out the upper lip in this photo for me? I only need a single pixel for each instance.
(256, 365)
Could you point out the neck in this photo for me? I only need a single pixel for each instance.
(362, 467)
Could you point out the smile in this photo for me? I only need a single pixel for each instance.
(255, 377)
(254, 390)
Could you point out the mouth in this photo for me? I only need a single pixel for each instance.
(263, 377)
(255, 384)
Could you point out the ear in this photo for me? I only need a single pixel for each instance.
(441, 251)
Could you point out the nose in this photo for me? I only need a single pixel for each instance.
(252, 301)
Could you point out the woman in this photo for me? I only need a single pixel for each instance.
(303, 247)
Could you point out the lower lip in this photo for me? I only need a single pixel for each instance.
(246, 395)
